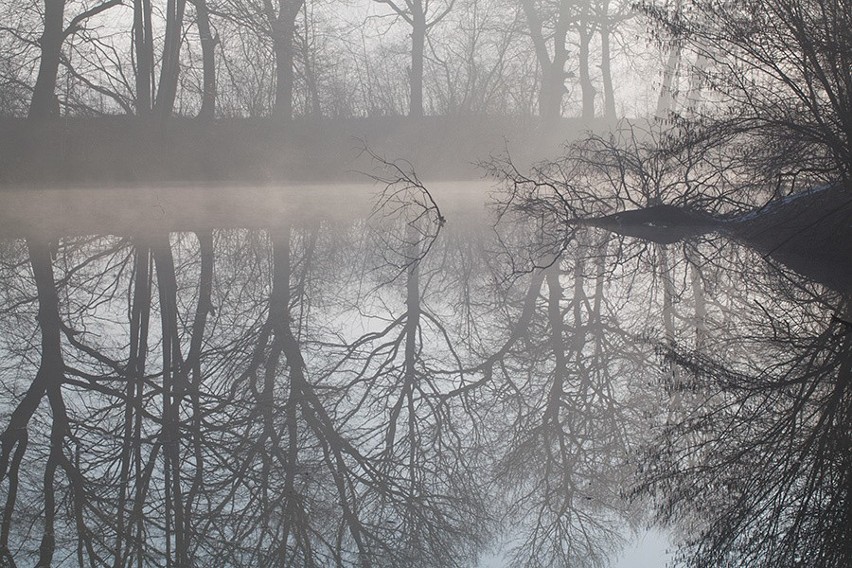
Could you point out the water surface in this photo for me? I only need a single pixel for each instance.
(403, 376)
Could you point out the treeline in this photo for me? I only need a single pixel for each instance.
(326, 58)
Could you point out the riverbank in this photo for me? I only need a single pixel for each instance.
(121, 150)
(809, 231)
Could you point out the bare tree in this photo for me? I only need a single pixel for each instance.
(274, 21)
(782, 78)
(421, 16)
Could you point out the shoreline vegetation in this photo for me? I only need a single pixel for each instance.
(809, 232)
(120, 150)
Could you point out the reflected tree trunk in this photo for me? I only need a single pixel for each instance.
(204, 308)
(670, 331)
(51, 375)
(697, 282)
(174, 389)
(139, 321)
(49, 379)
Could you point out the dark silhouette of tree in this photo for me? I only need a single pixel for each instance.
(209, 40)
(44, 103)
(143, 49)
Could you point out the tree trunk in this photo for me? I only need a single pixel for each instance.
(665, 104)
(418, 45)
(43, 104)
(203, 309)
(586, 86)
(143, 45)
(208, 61)
(552, 70)
(606, 63)
(553, 79)
(310, 70)
(557, 342)
(139, 318)
(50, 375)
(170, 69)
(283, 46)
(174, 389)
(696, 80)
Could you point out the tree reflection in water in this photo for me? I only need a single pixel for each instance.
(398, 391)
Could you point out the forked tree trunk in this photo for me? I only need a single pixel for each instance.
(49, 377)
(551, 87)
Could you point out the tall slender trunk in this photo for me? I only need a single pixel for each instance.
(43, 104)
(173, 392)
(310, 69)
(170, 68)
(418, 46)
(696, 82)
(140, 312)
(557, 344)
(553, 77)
(665, 103)
(143, 46)
(586, 86)
(606, 63)
(208, 60)
(193, 363)
(669, 318)
(50, 374)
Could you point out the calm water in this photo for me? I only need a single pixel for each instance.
(330, 375)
